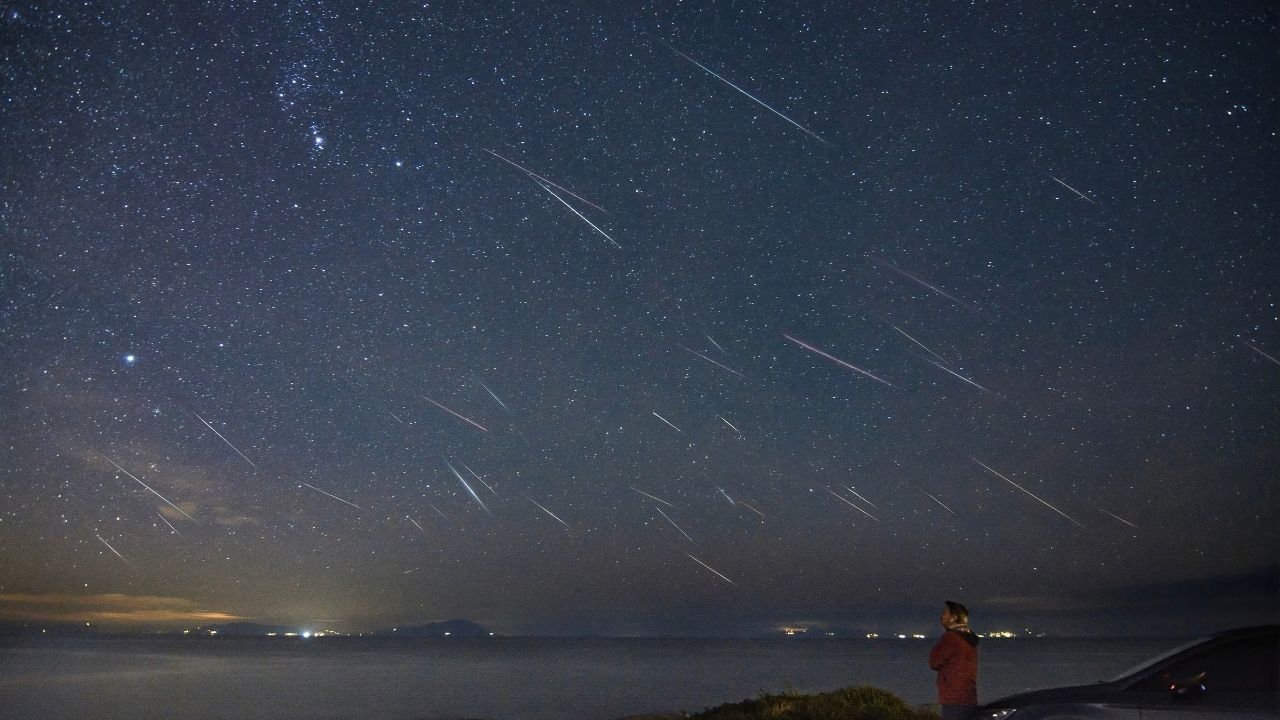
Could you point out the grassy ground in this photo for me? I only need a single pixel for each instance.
(851, 703)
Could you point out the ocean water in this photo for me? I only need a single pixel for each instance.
(139, 678)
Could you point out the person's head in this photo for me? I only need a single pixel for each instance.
(953, 613)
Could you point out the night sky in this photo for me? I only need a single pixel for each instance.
(669, 319)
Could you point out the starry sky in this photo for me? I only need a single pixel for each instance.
(638, 318)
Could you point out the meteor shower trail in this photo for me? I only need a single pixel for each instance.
(460, 417)
(228, 442)
(148, 487)
(717, 572)
(835, 359)
(335, 497)
(1037, 497)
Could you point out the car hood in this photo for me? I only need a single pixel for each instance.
(1095, 693)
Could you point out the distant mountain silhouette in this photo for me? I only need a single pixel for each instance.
(448, 628)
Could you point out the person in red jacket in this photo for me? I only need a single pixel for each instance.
(955, 658)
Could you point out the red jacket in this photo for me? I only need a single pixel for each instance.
(955, 657)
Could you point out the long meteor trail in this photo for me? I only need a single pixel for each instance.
(1037, 497)
(228, 442)
(754, 99)
(667, 422)
(917, 342)
(966, 305)
(717, 572)
(543, 509)
(1086, 197)
(726, 422)
(575, 212)
(460, 417)
(713, 362)
(949, 370)
(673, 524)
(1126, 522)
(466, 485)
(148, 487)
(931, 497)
(495, 397)
(335, 497)
(536, 176)
(653, 497)
(835, 359)
(117, 552)
(1259, 351)
(851, 504)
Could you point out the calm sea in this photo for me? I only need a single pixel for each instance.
(499, 678)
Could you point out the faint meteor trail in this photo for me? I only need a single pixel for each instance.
(148, 487)
(751, 507)
(335, 497)
(1257, 350)
(543, 509)
(667, 422)
(228, 442)
(966, 305)
(713, 342)
(415, 522)
(433, 507)
(726, 496)
(397, 417)
(755, 99)
(713, 362)
(674, 525)
(726, 422)
(717, 572)
(466, 485)
(1126, 522)
(931, 497)
(575, 212)
(536, 176)
(171, 527)
(1086, 197)
(482, 482)
(835, 359)
(652, 497)
(495, 397)
(1037, 497)
(922, 345)
(117, 552)
(855, 493)
(850, 503)
(460, 417)
(941, 366)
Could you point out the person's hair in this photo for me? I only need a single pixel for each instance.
(959, 612)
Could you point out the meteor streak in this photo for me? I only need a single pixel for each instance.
(673, 524)
(543, 509)
(667, 422)
(460, 417)
(895, 327)
(575, 212)
(1126, 522)
(171, 527)
(726, 496)
(713, 362)
(717, 572)
(1037, 497)
(713, 342)
(968, 306)
(939, 365)
(751, 507)
(148, 487)
(397, 417)
(117, 552)
(931, 497)
(335, 497)
(433, 507)
(482, 482)
(850, 503)
(726, 422)
(536, 176)
(415, 522)
(652, 497)
(835, 359)
(1257, 350)
(228, 442)
(463, 480)
(495, 397)
(855, 492)
(1086, 197)
(755, 99)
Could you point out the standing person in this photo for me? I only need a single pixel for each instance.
(955, 658)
